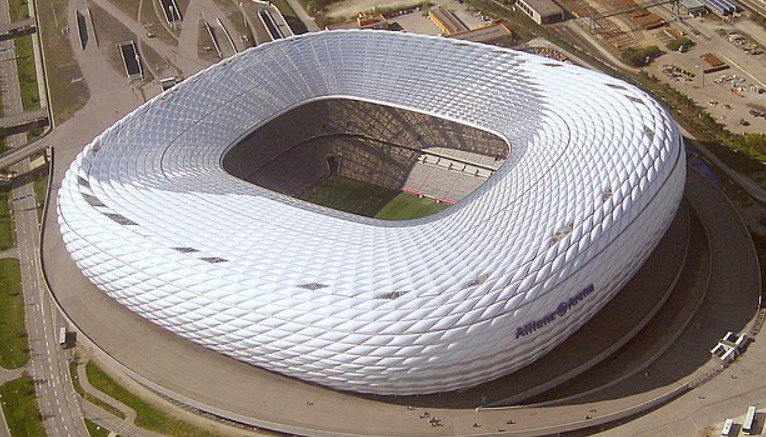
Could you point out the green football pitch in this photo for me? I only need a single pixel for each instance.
(370, 200)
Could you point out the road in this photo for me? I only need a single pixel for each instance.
(49, 367)
(58, 406)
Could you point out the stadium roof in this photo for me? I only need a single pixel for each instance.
(594, 176)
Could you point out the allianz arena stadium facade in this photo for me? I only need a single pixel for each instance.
(594, 175)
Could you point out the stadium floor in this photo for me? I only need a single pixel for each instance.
(370, 200)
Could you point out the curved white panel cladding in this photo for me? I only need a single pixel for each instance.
(594, 177)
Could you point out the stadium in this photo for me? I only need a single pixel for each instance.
(206, 210)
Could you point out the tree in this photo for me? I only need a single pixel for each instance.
(680, 44)
(640, 57)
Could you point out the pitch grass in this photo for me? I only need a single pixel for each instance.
(14, 349)
(369, 200)
(408, 206)
(20, 408)
(96, 430)
(149, 416)
(7, 228)
(89, 397)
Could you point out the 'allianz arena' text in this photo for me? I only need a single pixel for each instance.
(593, 178)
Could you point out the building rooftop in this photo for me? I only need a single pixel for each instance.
(447, 21)
(362, 21)
(492, 32)
(692, 4)
(544, 7)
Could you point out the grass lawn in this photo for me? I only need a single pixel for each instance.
(40, 185)
(20, 408)
(149, 417)
(369, 200)
(7, 228)
(96, 430)
(30, 98)
(19, 9)
(14, 348)
(89, 397)
(408, 206)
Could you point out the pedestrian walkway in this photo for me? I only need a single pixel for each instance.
(111, 422)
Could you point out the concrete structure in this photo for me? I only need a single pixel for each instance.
(447, 22)
(542, 11)
(485, 34)
(18, 27)
(694, 7)
(23, 120)
(151, 217)
(362, 21)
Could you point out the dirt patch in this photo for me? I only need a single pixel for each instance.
(154, 23)
(130, 7)
(68, 91)
(205, 47)
(111, 33)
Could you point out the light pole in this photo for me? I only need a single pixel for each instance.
(140, 69)
(173, 16)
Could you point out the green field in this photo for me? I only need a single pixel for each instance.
(408, 206)
(7, 228)
(149, 416)
(19, 9)
(96, 430)
(20, 408)
(14, 349)
(369, 200)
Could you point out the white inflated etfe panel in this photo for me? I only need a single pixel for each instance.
(594, 177)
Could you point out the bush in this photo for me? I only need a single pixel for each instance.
(758, 18)
(640, 57)
(754, 144)
(677, 44)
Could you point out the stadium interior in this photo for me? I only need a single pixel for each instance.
(359, 156)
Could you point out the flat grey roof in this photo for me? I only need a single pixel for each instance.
(483, 34)
(544, 7)
(692, 4)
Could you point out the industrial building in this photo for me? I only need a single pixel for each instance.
(447, 21)
(362, 21)
(722, 8)
(542, 11)
(694, 7)
(485, 34)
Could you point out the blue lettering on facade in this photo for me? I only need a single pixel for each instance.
(560, 311)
